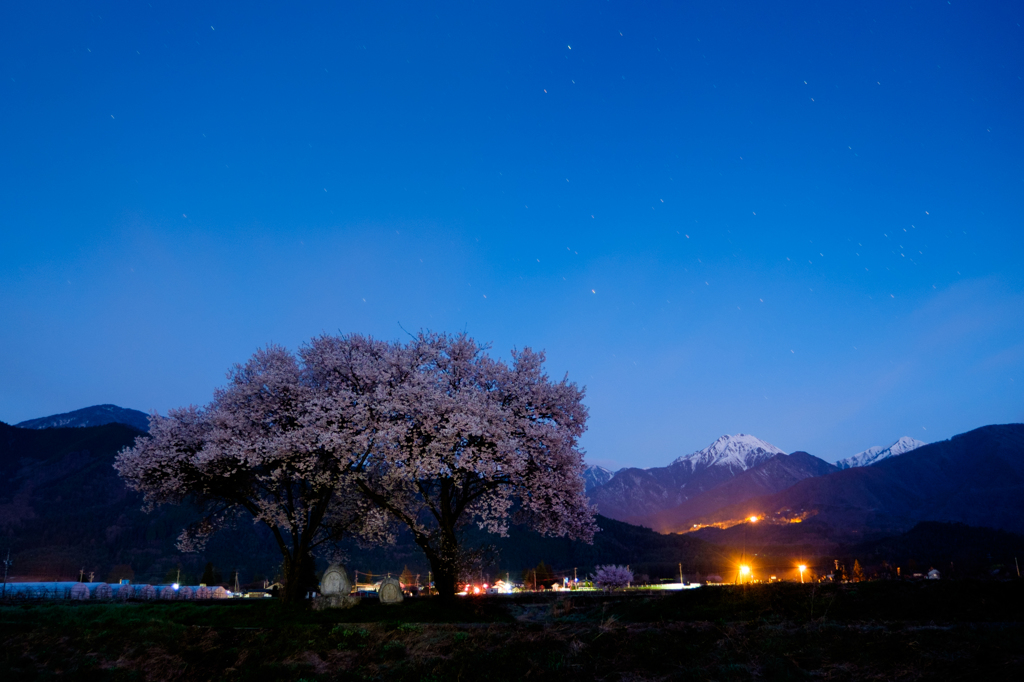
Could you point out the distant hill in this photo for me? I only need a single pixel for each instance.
(976, 478)
(97, 415)
(64, 508)
(770, 476)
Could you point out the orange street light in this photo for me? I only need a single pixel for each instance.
(744, 572)
(802, 568)
(753, 519)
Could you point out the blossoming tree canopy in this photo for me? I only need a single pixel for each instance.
(459, 437)
(611, 576)
(260, 448)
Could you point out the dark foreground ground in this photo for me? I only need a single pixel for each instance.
(867, 631)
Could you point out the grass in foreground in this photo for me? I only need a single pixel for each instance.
(868, 631)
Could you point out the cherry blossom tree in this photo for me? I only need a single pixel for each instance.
(456, 437)
(269, 445)
(353, 433)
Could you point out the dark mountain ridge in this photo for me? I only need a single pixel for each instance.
(955, 549)
(97, 415)
(64, 509)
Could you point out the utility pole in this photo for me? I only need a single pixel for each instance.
(680, 575)
(6, 565)
(1014, 563)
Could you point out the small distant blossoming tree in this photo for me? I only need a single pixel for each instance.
(612, 576)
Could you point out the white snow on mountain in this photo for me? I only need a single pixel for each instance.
(594, 476)
(741, 452)
(878, 453)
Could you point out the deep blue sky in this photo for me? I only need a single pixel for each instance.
(797, 220)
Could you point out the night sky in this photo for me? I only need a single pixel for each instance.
(801, 221)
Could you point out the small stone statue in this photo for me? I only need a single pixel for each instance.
(335, 589)
(390, 591)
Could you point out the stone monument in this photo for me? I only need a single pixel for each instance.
(390, 591)
(335, 590)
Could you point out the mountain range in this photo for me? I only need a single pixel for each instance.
(633, 493)
(769, 476)
(63, 508)
(975, 478)
(730, 470)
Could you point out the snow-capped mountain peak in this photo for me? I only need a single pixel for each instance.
(878, 453)
(741, 452)
(594, 476)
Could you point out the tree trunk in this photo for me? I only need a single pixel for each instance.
(445, 578)
(444, 563)
(297, 575)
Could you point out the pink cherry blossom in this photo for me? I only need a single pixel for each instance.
(352, 434)
(612, 576)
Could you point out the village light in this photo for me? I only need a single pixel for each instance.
(753, 519)
(802, 567)
(175, 586)
(744, 572)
